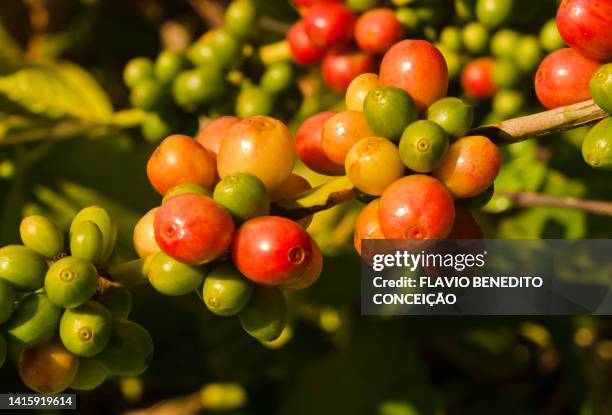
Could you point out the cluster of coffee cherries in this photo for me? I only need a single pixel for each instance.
(59, 329)
(214, 233)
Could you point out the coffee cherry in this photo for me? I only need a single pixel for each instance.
(505, 73)
(507, 103)
(470, 166)
(144, 235)
(528, 54)
(157, 126)
(184, 188)
(129, 351)
(480, 200)
(416, 207)
(86, 241)
(302, 48)
(409, 19)
(294, 185)
(308, 141)
(254, 145)
(600, 87)
(477, 79)
(475, 38)
(341, 131)
(174, 278)
(311, 273)
(3, 350)
(49, 368)
(41, 235)
(7, 301)
(71, 281)
(253, 100)
(241, 17)
(450, 38)
(22, 267)
(277, 77)
(389, 110)
(550, 38)
(329, 25)
(118, 302)
(193, 228)
(86, 330)
(137, 70)
(597, 145)
(168, 65)
(358, 89)
(105, 223)
(179, 159)
(360, 6)
(423, 146)
(377, 30)
(465, 226)
(228, 49)
(148, 95)
(211, 136)
(34, 321)
(503, 43)
(372, 164)
(585, 26)
(202, 54)
(454, 115)
(454, 61)
(90, 375)
(272, 250)
(226, 291)
(563, 78)
(418, 68)
(265, 316)
(367, 225)
(341, 67)
(198, 86)
(494, 13)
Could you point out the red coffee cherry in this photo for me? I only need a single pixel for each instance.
(310, 3)
(416, 207)
(477, 78)
(563, 78)
(585, 26)
(193, 228)
(179, 159)
(329, 25)
(272, 250)
(418, 68)
(212, 135)
(465, 226)
(377, 30)
(367, 225)
(340, 68)
(312, 272)
(310, 148)
(341, 131)
(303, 50)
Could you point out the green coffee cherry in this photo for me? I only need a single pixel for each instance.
(265, 316)
(34, 321)
(90, 375)
(107, 226)
(450, 37)
(22, 267)
(253, 100)
(129, 351)
(494, 13)
(241, 18)
(454, 115)
(597, 145)
(228, 47)
(277, 77)
(184, 188)
(71, 281)
(170, 277)
(7, 301)
(148, 95)
(475, 38)
(243, 195)
(480, 200)
(503, 43)
(158, 125)
(86, 330)
(41, 235)
(465, 9)
(389, 110)
(506, 74)
(198, 86)
(3, 350)
(226, 291)
(454, 61)
(168, 65)
(601, 87)
(360, 6)
(202, 54)
(550, 38)
(138, 69)
(118, 303)
(528, 54)
(86, 241)
(408, 19)
(508, 103)
(423, 146)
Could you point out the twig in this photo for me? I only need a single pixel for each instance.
(184, 405)
(528, 199)
(272, 25)
(210, 10)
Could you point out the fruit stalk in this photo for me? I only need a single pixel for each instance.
(529, 199)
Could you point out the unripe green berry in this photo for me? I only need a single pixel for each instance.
(22, 267)
(71, 281)
(226, 291)
(7, 301)
(129, 351)
(86, 241)
(137, 70)
(265, 316)
(86, 330)
(41, 235)
(171, 277)
(90, 375)
(34, 321)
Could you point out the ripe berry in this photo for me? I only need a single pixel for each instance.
(137, 70)
(311, 273)
(144, 235)
(585, 26)
(372, 164)
(597, 145)
(259, 145)
(465, 226)
(193, 228)
(86, 241)
(423, 146)
(265, 316)
(129, 351)
(90, 375)
(179, 159)
(168, 65)
(49, 368)
(105, 223)
(329, 25)
(377, 30)
(118, 302)
(174, 278)
(253, 100)
(416, 207)
(418, 68)
(40, 234)
(22, 267)
(212, 135)
(454, 115)
(184, 188)
(470, 166)
(86, 330)
(71, 281)
(308, 141)
(341, 131)
(272, 250)
(358, 89)
(367, 225)
(563, 78)
(226, 291)
(34, 321)
(302, 48)
(600, 87)
(477, 79)
(389, 110)
(7, 301)
(341, 67)
(294, 185)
